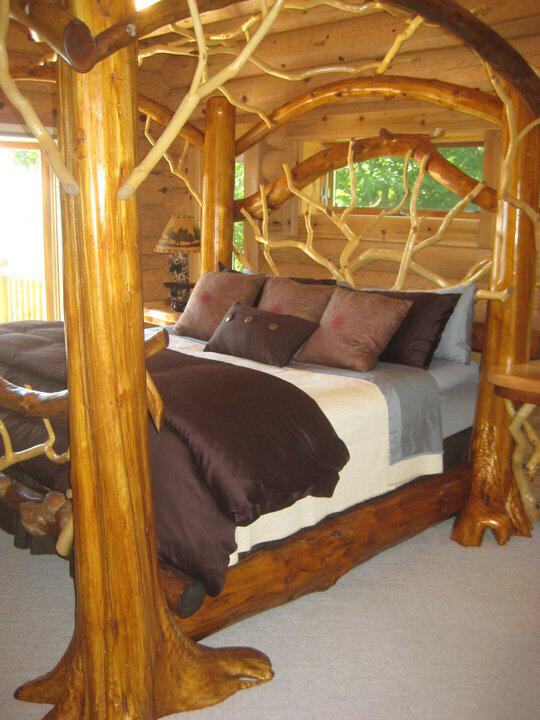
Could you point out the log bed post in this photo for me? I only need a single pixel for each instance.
(495, 501)
(128, 657)
(218, 185)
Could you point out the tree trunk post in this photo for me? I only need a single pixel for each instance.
(218, 185)
(128, 657)
(494, 500)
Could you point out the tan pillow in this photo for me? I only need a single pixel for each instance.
(282, 295)
(212, 296)
(354, 330)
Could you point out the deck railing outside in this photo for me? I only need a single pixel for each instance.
(21, 298)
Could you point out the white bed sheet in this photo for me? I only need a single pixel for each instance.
(358, 412)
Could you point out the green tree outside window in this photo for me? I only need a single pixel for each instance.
(379, 182)
(238, 232)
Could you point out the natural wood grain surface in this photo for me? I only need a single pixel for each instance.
(63, 31)
(520, 383)
(311, 560)
(316, 557)
(160, 316)
(128, 658)
(218, 185)
(447, 95)
(33, 403)
(495, 501)
(335, 156)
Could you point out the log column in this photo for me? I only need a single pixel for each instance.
(495, 501)
(128, 657)
(218, 185)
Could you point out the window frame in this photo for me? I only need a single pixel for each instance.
(327, 191)
(52, 271)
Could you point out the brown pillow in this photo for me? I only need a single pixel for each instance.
(354, 330)
(282, 295)
(255, 334)
(418, 336)
(213, 294)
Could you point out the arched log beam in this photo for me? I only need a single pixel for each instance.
(59, 28)
(482, 40)
(387, 145)
(159, 113)
(448, 95)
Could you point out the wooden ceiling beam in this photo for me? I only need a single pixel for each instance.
(482, 40)
(66, 34)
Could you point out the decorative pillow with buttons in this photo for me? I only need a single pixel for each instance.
(255, 334)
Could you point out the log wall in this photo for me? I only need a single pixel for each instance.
(306, 40)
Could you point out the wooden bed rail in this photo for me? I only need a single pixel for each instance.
(33, 403)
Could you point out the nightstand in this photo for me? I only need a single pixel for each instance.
(519, 385)
(160, 316)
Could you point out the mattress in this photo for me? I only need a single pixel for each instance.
(358, 410)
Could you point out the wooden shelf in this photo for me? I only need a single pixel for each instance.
(160, 316)
(520, 383)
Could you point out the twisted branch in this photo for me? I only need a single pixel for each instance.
(176, 170)
(29, 115)
(399, 41)
(200, 88)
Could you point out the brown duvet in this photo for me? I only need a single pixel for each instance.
(237, 443)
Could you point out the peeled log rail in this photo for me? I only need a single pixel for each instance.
(56, 26)
(315, 558)
(448, 95)
(387, 145)
(33, 403)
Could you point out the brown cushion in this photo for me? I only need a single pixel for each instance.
(418, 336)
(255, 334)
(354, 330)
(212, 296)
(282, 295)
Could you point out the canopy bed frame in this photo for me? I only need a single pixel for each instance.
(130, 656)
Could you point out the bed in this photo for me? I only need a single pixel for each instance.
(129, 654)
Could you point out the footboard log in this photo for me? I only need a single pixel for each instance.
(315, 558)
(312, 560)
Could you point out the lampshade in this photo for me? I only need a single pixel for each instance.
(181, 235)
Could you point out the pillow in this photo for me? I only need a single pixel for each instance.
(355, 328)
(213, 294)
(282, 295)
(417, 338)
(255, 334)
(455, 343)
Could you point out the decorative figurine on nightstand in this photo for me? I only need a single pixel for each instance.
(180, 238)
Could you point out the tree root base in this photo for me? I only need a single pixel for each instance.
(477, 517)
(187, 676)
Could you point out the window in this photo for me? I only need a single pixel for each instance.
(29, 256)
(238, 232)
(379, 182)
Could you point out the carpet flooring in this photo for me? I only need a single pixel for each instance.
(425, 631)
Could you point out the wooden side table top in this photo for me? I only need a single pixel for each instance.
(160, 316)
(520, 383)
